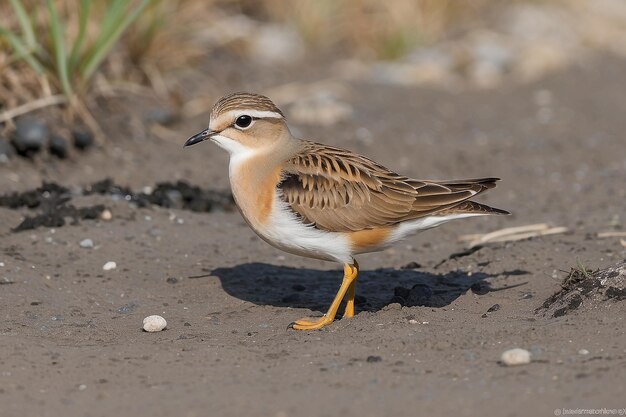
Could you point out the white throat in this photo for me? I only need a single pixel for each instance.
(238, 152)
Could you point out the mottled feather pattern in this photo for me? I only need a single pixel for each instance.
(335, 189)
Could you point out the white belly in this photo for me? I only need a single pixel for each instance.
(286, 231)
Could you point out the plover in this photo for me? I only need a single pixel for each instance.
(323, 202)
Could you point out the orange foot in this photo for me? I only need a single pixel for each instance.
(350, 273)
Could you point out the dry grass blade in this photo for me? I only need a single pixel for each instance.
(510, 234)
(32, 106)
(602, 235)
(49, 46)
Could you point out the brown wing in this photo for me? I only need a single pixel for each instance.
(334, 189)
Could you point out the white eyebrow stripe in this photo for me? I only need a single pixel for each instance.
(260, 114)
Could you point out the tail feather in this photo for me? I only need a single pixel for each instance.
(471, 207)
(457, 185)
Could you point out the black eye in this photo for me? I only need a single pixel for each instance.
(243, 121)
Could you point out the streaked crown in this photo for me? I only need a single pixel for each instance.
(244, 101)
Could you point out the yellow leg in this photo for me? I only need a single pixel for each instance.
(349, 311)
(350, 273)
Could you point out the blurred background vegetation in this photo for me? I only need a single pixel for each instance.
(67, 54)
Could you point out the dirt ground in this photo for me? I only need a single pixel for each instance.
(71, 341)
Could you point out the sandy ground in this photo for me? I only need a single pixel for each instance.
(71, 340)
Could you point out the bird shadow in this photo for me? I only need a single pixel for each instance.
(282, 286)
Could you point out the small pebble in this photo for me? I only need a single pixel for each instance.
(83, 139)
(106, 215)
(86, 243)
(412, 265)
(174, 199)
(109, 266)
(58, 146)
(127, 308)
(154, 323)
(82, 387)
(30, 135)
(493, 308)
(583, 352)
(515, 356)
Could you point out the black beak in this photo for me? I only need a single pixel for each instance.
(199, 137)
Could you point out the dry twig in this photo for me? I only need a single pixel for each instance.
(32, 106)
(510, 234)
(611, 234)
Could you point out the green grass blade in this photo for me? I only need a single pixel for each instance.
(60, 56)
(102, 48)
(113, 15)
(21, 50)
(114, 11)
(80, 38)
(26, 25)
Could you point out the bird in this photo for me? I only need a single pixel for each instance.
(324, 202)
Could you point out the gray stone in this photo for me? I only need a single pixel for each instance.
(30, 135)
(175, 198)
(58, 146)
(83, 139)
(86, 243)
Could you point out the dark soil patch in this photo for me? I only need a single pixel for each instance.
(584, 287)
(55, 216)
(180, 195)
(52, 201)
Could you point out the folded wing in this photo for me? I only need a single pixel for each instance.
(337, 190)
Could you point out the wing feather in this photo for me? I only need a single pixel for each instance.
(337, 190)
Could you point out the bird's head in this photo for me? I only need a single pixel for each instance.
(243, 123)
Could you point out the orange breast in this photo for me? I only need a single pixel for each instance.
(254, 190)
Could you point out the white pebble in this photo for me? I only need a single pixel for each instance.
(109, 266)
(106, 215)
(583, 352)
(154, 323)
(86, 243)
(515, 356)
